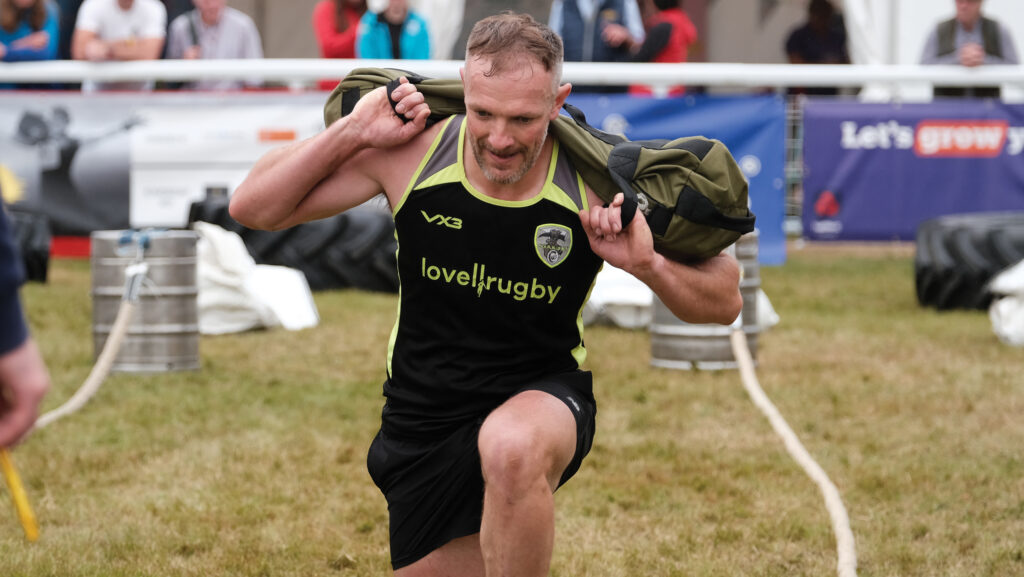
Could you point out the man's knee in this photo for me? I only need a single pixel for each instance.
(520, 448)
(512, 454)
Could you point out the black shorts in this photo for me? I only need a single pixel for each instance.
(435, 488)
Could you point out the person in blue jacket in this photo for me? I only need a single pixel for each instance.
(396, 32)
(23, 376)
(29, 30)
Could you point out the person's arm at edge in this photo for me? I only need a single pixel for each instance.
(337, 169)
(23, 376)
(706, 291)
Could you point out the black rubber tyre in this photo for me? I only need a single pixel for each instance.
(355, 249)
(957, 255)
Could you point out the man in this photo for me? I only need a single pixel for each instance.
(119, 30)
(487, 410)
(214, 31)
(597, 31)
(820, 40)
(969, 39)
(23, 376)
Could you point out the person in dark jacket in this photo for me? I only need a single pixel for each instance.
(969, 39)
(23, 376)
(597, 31)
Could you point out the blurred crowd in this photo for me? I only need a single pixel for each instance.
(592, 30)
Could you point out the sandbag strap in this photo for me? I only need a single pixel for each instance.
(691, 204)
(698, 209)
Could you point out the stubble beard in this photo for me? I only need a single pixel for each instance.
(529, 159)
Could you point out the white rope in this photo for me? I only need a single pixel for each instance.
(99, 371)
(845, 547)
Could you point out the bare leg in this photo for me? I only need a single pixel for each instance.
(457, 558)
(525, 445)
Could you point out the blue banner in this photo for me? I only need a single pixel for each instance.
(877, 171)
(752, 127)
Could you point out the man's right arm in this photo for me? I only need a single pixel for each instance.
(347, 164)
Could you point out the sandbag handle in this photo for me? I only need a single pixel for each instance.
(631, 200)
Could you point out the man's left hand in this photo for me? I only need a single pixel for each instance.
(627, 248)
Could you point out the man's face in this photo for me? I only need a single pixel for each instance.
(210, 10)
(968, 12)
(507, 117)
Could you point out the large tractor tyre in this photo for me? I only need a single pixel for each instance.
(958, 255)
(354, 249)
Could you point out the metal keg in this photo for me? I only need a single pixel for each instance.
(164, 332)
(676, 344)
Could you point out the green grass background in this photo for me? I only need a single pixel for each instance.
(255, 464)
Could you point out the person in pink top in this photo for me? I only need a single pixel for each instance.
(335, 23)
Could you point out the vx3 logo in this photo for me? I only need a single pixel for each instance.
(441, 220)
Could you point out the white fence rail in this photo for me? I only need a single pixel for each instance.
(299, 71)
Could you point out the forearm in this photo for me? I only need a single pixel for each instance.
(136, 49)
(286, 177)
(701, 292)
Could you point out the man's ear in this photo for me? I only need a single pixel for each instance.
(560, 95)
(462, 74)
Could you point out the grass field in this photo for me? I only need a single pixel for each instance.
(254, 465)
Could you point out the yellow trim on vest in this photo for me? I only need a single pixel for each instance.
(423, 164)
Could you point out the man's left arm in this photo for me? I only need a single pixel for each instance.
(701, 292)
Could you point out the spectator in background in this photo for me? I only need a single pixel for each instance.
(396, 32)
(474, 11)
(214, 31)
(969, 39)
(597, 31)
(23, 376)
(820, 40)
(335, 23)
(670, 32)
(119, 30)
(29, 30)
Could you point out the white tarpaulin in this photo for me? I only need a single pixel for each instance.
(1007, 309)
(236, 294)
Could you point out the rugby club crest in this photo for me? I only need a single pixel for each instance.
(553, 242)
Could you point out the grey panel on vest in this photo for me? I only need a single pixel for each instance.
(447, 151)
(565, 178)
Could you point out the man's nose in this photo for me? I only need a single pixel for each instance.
(500, 138)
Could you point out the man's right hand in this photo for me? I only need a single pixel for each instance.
(377, 124)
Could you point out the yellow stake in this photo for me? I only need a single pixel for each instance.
(28, 519)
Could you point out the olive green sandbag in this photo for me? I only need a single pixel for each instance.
(690, 189)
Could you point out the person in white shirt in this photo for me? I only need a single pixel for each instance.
(119, 30)
(214, 31)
